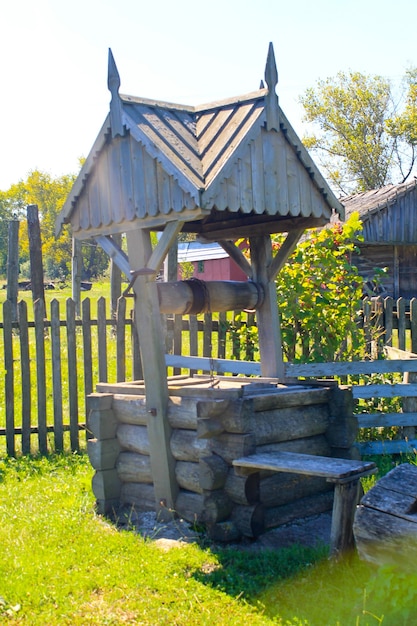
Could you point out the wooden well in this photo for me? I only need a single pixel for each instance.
(224, 171)
(211, 426)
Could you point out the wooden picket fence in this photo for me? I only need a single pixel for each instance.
(53, 361)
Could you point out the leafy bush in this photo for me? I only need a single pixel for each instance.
(319, 294)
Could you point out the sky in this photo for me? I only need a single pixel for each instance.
(53, 69)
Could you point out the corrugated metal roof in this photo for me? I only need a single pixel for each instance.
(195, 251)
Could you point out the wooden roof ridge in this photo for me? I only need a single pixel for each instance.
(368, 203)
(195, 109)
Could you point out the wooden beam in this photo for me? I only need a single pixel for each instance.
(116, 254)
(163, 246)
(252, 226)
(284, 252)
(269, 331)
(148, 323)
(237, 255)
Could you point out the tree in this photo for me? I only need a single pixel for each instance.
(319, 295)
(49, 194)
(362, 142)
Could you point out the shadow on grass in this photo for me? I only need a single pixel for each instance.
(242, 573)
(299, 584)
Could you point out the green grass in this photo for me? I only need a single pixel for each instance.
(62, 564)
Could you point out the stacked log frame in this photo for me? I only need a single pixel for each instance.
(210, 429)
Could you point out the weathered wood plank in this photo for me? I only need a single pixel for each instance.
(401, 306)
(397, 446)
(39, 315)
(121, 340)
(9, 376)
(13, 265)
(385, 420)
(25, 372)
(320, 370)
(177, 345)
(102, 340)
(57, 375)
(72, 373)
(385, 391)
(87, 349)
(308, 465)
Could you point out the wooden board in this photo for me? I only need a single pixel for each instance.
(309, 465)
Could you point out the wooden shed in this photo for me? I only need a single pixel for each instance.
(389, 217)
(224, 171)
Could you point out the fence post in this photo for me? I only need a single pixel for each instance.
(25, 375)
(13, 265)
(35, 252)
(72, 374)
(56, 375)
(388, 321)
(39, 313)
(88, 353)
(102, 340)
(9, 376)
(121, 339)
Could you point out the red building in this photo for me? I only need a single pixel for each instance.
(210, 262)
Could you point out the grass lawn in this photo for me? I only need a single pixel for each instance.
(62, 564)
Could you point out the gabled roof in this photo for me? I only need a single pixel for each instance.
(388, 214)
(223, 165)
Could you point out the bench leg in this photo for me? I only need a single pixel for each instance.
(346, 497)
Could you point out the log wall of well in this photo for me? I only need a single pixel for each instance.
(211, 428)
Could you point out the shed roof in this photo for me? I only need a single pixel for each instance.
(233, 164)
(195, 251)
(388, 214)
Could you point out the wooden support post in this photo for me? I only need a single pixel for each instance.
(150, 334)
(346, 497)
(269, 331)
(35, 253)
(13, 265)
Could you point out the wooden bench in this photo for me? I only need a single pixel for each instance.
(344, 473)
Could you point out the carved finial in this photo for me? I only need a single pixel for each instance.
(113, 83)
(271, 99)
